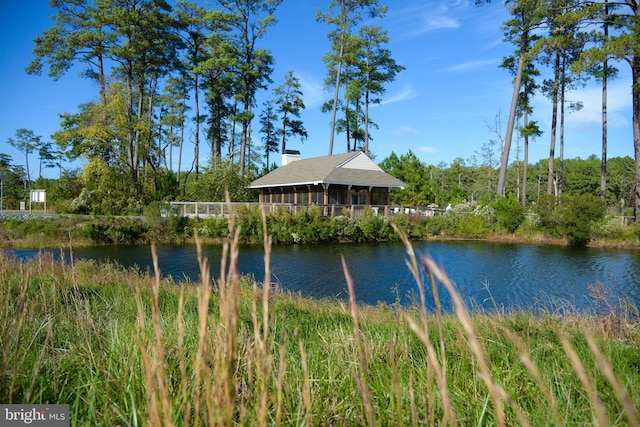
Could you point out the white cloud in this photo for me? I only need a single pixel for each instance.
(407, 92)
(441, 22)
(471, 65)
(405, 130)
(618, 106)
(589, 118)
(427, 149)
(418, 18)
(312, 90)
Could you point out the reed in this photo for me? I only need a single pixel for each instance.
(124, 347)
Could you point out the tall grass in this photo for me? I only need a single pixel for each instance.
(125, 347)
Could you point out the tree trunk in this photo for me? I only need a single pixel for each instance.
(525, 166)
(635, 72)
(366, 122)
(182, 114)
(562, 107)
(284, 135)
(335, 95)
(554, 125)
(196, 144)
(245, 133)
(603, 164)
(504, 161)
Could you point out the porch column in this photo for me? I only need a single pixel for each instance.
(325, 188)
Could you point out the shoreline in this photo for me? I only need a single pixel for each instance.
(63, 231)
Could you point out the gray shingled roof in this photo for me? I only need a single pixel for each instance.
(326, 170)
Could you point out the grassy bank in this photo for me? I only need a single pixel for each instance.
(466, 221)
(124, 348)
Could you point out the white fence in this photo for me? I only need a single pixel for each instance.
(222, 209)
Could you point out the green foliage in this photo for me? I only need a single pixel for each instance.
(548, 218)
(570, 217)
(410, 170)
(509, 213)
(578, 214)
(471, 226)
(375, 227)
(411, 226)
(118, 231)
(609, 228)
(249, 221)
(217, 228)
(216, 180)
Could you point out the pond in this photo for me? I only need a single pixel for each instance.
(488, 275)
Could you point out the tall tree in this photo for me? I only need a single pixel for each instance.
(529, 128)
(526, 17)
(561, 47)
(174, 100)
(378, 68)
(604, 72)
(289, 103)
(268, 129)
(46, 156)
(250, 20)
(25, 142)
(344, 15)
(80, 34)
(193, 30)
(144, 53)
(623, 17)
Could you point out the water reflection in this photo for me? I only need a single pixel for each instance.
(488, 275)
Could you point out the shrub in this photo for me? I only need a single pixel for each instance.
(374, 227)
(471, 226)
(509, 213)
(549, 219)
(578, 213)
(608, 228)
(411, 226)
(250, 221)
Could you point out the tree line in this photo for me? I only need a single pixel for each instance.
(98, 190)
(168, 73)
(575, 40)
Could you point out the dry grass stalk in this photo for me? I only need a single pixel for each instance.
(261, 335)
(185, 401)
(543, 385)
(12, 335)
(441, 380)
(202, 364)
(621, 393)
(590, 388)
(462, 313)
(449, 416)
(306, 384)
(153, 356)
(361, 378)
(280, 381)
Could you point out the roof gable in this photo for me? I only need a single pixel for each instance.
(360, 161)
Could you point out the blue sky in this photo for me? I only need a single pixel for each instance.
(439, 107)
